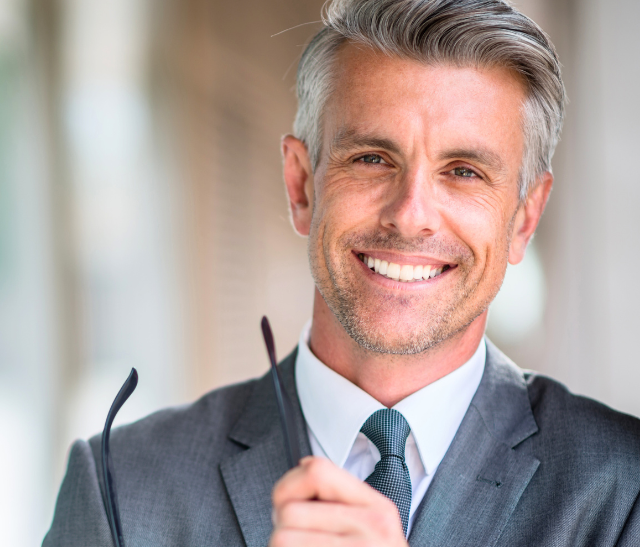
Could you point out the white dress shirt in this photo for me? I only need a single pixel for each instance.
(335, 410)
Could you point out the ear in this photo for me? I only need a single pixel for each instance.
(298, 178)
(528, 216)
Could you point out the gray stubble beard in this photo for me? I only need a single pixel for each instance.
(342, 300)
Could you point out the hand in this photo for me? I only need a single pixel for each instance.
(317, 504)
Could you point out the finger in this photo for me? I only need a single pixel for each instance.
(288, 537)
(338, 518)
(319, 478)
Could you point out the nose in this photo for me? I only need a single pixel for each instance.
(412, 209)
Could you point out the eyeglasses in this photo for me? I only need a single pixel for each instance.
(285, 408)
(287, 421)
(113, 512)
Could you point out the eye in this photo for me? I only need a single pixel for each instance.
(371, 158)
(464, 172)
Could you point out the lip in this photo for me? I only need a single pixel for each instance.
(409, 260)
(400, 285)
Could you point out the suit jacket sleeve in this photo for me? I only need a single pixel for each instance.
(80, 518)
(630, 536)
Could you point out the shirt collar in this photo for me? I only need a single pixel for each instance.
(335, 409)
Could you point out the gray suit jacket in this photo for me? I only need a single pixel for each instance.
(530, 465)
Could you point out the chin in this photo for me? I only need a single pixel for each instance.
(395, 337)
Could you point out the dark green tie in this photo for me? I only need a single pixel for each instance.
(388, 430)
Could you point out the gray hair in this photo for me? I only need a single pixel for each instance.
(479, 33)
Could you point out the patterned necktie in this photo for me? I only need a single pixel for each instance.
(388, 430)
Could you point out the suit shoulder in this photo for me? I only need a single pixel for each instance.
(591, 425)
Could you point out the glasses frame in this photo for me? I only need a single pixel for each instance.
(285, 407)
(113, 511)
(285, 410)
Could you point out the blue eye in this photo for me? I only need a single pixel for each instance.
(464, 172)
(372, 158)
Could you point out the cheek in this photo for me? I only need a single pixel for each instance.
(335, 212)
(481, 223)
(345, 204)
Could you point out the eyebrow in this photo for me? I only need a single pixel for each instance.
(348, 139)
(475, 155)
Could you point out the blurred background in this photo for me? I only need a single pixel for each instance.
(143, 221)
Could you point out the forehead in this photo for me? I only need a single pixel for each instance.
(378, 93)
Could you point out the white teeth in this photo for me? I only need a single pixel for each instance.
(406, 273)
(393, 271)
(401, 272)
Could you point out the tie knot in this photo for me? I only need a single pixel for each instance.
(388, 430)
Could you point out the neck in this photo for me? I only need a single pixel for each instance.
(386, 377)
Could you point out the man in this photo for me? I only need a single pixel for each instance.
(420, 167)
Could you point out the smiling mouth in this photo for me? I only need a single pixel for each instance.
(404, 273)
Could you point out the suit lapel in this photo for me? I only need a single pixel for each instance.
(476, 488)
(480, 480)
(250, 475)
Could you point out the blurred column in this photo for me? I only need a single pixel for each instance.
(224, 89)
(33, 312)
(589, 234)
(620, 65)
(127, 278)
(597, 229)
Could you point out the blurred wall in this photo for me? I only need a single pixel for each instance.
(143, 220)
(588, 239)
(223, 82)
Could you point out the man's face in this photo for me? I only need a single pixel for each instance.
(419, 171)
